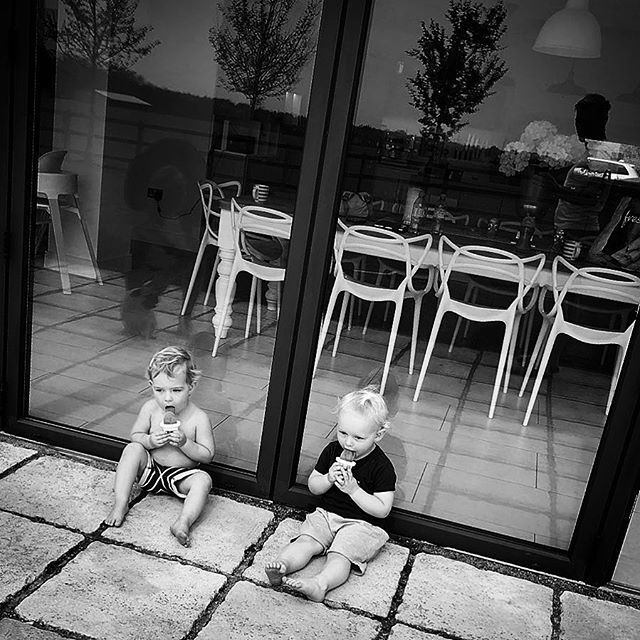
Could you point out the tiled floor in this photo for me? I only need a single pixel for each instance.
(453, 462)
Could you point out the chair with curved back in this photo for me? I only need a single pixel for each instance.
(254, 225)
(209, 190)
(367, 241)
(58, 191)
(596, 283)
(491, 263)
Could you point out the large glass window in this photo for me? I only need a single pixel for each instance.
(472, 134)
(142, 107)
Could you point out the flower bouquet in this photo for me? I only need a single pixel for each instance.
(540, 145)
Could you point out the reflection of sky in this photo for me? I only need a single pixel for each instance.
(184, 61)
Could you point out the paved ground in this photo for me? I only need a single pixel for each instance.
(66, 575)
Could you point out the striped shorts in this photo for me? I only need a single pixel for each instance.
(158, 479)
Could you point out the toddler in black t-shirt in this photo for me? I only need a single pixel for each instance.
(357, 496)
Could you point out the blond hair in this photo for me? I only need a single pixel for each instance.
(169, 360)
(369, 403)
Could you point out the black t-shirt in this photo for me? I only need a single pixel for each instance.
(374, 473)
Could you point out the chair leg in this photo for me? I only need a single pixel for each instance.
(537, 350)
(87, 239)
(63, 267)
(252, 296)
(430, 346)
(504, 349)
(194, 275)
(225, 305)
(527, 340)
(392, 341)
(614, 378)
(365, 326)
(325, 326)
(392, 284)
(343, 309)
(212, 277)
(467, 295)
(259, 307)
(417, 306)
(553, 333)
(473, 296)
(512, 349)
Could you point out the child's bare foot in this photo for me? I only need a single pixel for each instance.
(116, 516)
(310, 587)
(275, 571)
(181, 531)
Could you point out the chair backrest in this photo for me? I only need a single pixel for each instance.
(596, 282)
(382, 243)
(262, 235)
(489, 262)
(51, 162)
(208, 191)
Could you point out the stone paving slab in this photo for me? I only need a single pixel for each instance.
(10, 455)
(402, 632)
(218, 539)
(250, 612)
(455, 598)
(585, 618)
(371, 592)
(59, 490)
(109, 592)
(17, 630)
(27, 548)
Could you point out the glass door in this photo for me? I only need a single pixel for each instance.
(498, 436)
(151, 121)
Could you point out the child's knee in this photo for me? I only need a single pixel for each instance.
(202, 482)
(134, 450)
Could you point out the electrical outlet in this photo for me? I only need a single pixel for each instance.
(156, 194)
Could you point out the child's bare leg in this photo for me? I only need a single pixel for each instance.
(293, 557)
(197, 488)
(334, 573)
(131, 465)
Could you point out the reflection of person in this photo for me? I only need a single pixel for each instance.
(165, 461)
(356, 499)
(585, 191)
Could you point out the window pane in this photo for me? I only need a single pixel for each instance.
(128, 134)
(480, 150)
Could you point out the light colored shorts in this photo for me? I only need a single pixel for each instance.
(158, 479)
(357, 540)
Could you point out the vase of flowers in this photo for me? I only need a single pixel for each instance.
(539, 152)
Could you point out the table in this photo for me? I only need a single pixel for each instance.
(458, 234)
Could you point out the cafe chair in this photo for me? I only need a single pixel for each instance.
(57, 192)
(492, 263)
(255, 225)
(209, 191)
(593, 282)
(366, 241)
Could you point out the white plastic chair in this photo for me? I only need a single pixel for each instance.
(53, 184)
(491, 263)
(260, 222)
(595, 282)
(373, 241)
(208, 191)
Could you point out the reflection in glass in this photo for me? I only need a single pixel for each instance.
(494, 180)
(155, 119)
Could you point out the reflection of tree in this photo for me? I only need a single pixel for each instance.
(259, 55)
(459, 69)
(102, 33)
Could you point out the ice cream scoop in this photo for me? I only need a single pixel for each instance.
(346, 458)
(169, 421)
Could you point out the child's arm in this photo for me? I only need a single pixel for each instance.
(320, 483)
(375, 504)
(140, 431)
(201, 448)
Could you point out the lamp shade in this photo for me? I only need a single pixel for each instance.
(572, 32)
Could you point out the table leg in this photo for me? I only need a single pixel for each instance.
(222, 282)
